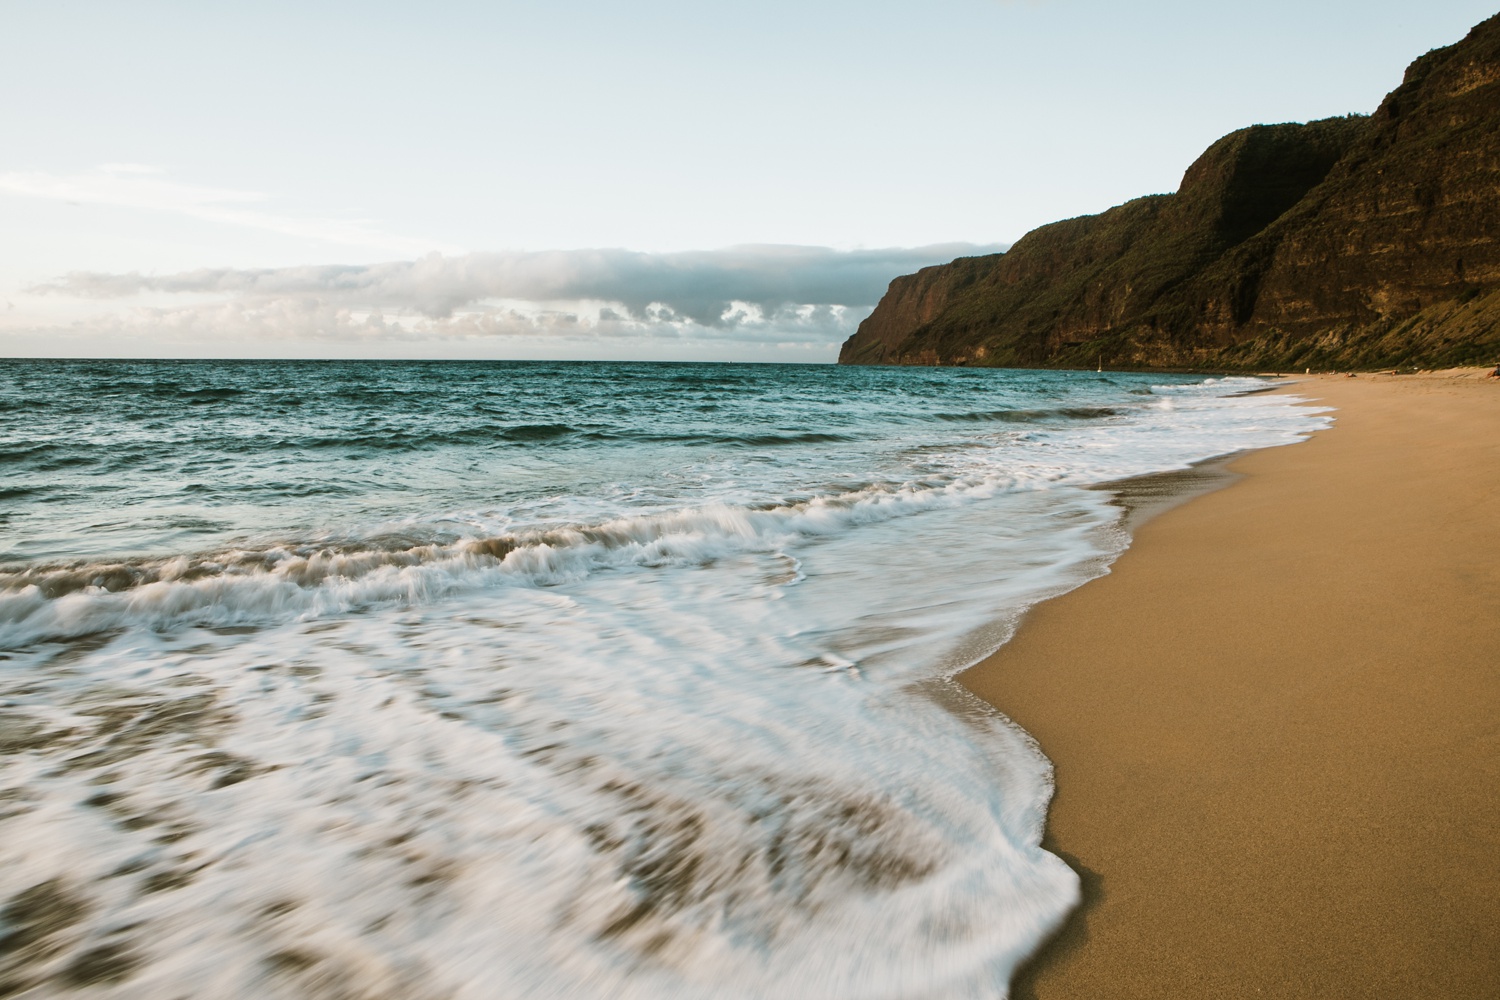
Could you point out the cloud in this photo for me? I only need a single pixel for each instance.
(698, 285)
(740, 302)
(147, 188)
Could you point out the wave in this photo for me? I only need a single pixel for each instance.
(382, 439)
(60, 456)
(199, 397)
(289, 580)
(25, 453)
(762, 440)
(537, 432)
(1032, 416)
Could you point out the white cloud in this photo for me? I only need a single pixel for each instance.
(147, 188)
(291, 326)
(703, 286)
(749, 301)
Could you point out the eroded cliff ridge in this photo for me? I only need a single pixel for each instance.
(1348, 242)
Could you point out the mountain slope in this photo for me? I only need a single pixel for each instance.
(1345, 242)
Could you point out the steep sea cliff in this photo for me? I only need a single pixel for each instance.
(1347, 242)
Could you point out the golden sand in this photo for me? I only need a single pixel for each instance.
(1276, 723)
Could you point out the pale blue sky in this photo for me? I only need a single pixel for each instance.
(173, 137)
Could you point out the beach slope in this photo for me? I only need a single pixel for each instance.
(1276, 722)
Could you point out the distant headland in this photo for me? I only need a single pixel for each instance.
(1355, 242)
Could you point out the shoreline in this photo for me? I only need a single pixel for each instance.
(1273, 723)
(1147, 496)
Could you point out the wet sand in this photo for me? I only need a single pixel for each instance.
(1276, 723)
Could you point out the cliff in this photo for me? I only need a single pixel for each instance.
(1348, 242)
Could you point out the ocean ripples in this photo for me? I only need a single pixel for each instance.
(1032, 416)
(537, 432)
(466, 680)
(763, 440)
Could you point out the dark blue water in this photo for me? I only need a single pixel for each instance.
(106, 459)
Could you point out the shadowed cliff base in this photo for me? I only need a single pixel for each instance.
(1356, 242)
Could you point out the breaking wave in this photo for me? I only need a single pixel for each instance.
(279, 582)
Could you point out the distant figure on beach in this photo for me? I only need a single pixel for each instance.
(1495, 373)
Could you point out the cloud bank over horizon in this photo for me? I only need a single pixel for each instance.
(748, 302)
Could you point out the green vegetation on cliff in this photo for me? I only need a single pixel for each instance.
(1348, 242)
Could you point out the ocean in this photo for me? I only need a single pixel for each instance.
(463, 680)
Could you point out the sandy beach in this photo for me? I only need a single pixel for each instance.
(1276, 722)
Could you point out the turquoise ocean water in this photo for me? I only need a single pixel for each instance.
(547, 680)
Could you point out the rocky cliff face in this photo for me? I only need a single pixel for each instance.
(1348, 242)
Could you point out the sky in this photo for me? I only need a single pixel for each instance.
(588, 179)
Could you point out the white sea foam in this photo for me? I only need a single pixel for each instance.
(312, 579)
(658, 749)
